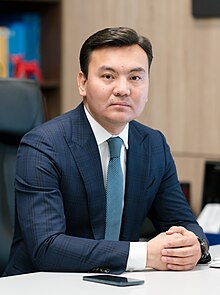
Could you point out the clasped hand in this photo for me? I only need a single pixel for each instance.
(175, 249)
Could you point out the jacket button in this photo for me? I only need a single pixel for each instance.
(105, 270)
(101, 269)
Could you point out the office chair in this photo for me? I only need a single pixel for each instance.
(21, 108)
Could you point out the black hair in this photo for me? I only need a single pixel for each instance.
(113, 37)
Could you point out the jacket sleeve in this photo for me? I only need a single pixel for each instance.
(42, 220)
(170, 206)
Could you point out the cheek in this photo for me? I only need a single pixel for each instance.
(140, 97)
(144, 96)
(140, 103)
(96, 90)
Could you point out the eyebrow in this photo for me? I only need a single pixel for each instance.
(107, 68)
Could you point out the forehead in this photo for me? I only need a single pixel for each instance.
(127, 56)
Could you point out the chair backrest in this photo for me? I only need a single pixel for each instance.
(21, 109)
(211, 183)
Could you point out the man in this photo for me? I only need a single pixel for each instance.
(61, 176)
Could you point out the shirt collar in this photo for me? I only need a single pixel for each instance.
(101, 134)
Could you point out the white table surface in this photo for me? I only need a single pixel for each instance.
(202, 281)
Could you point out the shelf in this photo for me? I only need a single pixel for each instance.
(50, 44)
(50, 84)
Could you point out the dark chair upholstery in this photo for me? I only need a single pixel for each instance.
(148, 231)
(21, 109)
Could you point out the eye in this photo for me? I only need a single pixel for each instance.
(107, 76)
(135, 78)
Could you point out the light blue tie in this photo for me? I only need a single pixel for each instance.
(114, 190)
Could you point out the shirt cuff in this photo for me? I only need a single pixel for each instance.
(137, 258)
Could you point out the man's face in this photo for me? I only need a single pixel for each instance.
(116, 89)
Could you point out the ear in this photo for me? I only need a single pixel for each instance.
(81, 82)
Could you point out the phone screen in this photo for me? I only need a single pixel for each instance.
(113, 280)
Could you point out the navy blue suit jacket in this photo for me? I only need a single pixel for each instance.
(60, 197)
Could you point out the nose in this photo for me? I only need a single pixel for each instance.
(122, 87)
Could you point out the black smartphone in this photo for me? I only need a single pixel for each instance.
(113, 280)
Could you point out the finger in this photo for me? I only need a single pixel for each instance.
(178, 240)
(175, 241)
(179, 261)
(180, 267)
(176, 229)
(178, 252)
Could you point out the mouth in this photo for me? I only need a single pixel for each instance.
(120, 104)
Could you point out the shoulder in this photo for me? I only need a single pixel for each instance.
(153, 135)
(61, 125)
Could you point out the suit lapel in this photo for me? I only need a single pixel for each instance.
(84, 149)
(137, 179)
(86, 154)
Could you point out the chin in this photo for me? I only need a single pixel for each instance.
(120, 119)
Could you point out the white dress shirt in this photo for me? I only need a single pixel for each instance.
(138, 250)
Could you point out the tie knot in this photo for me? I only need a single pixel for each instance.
(114, 144)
